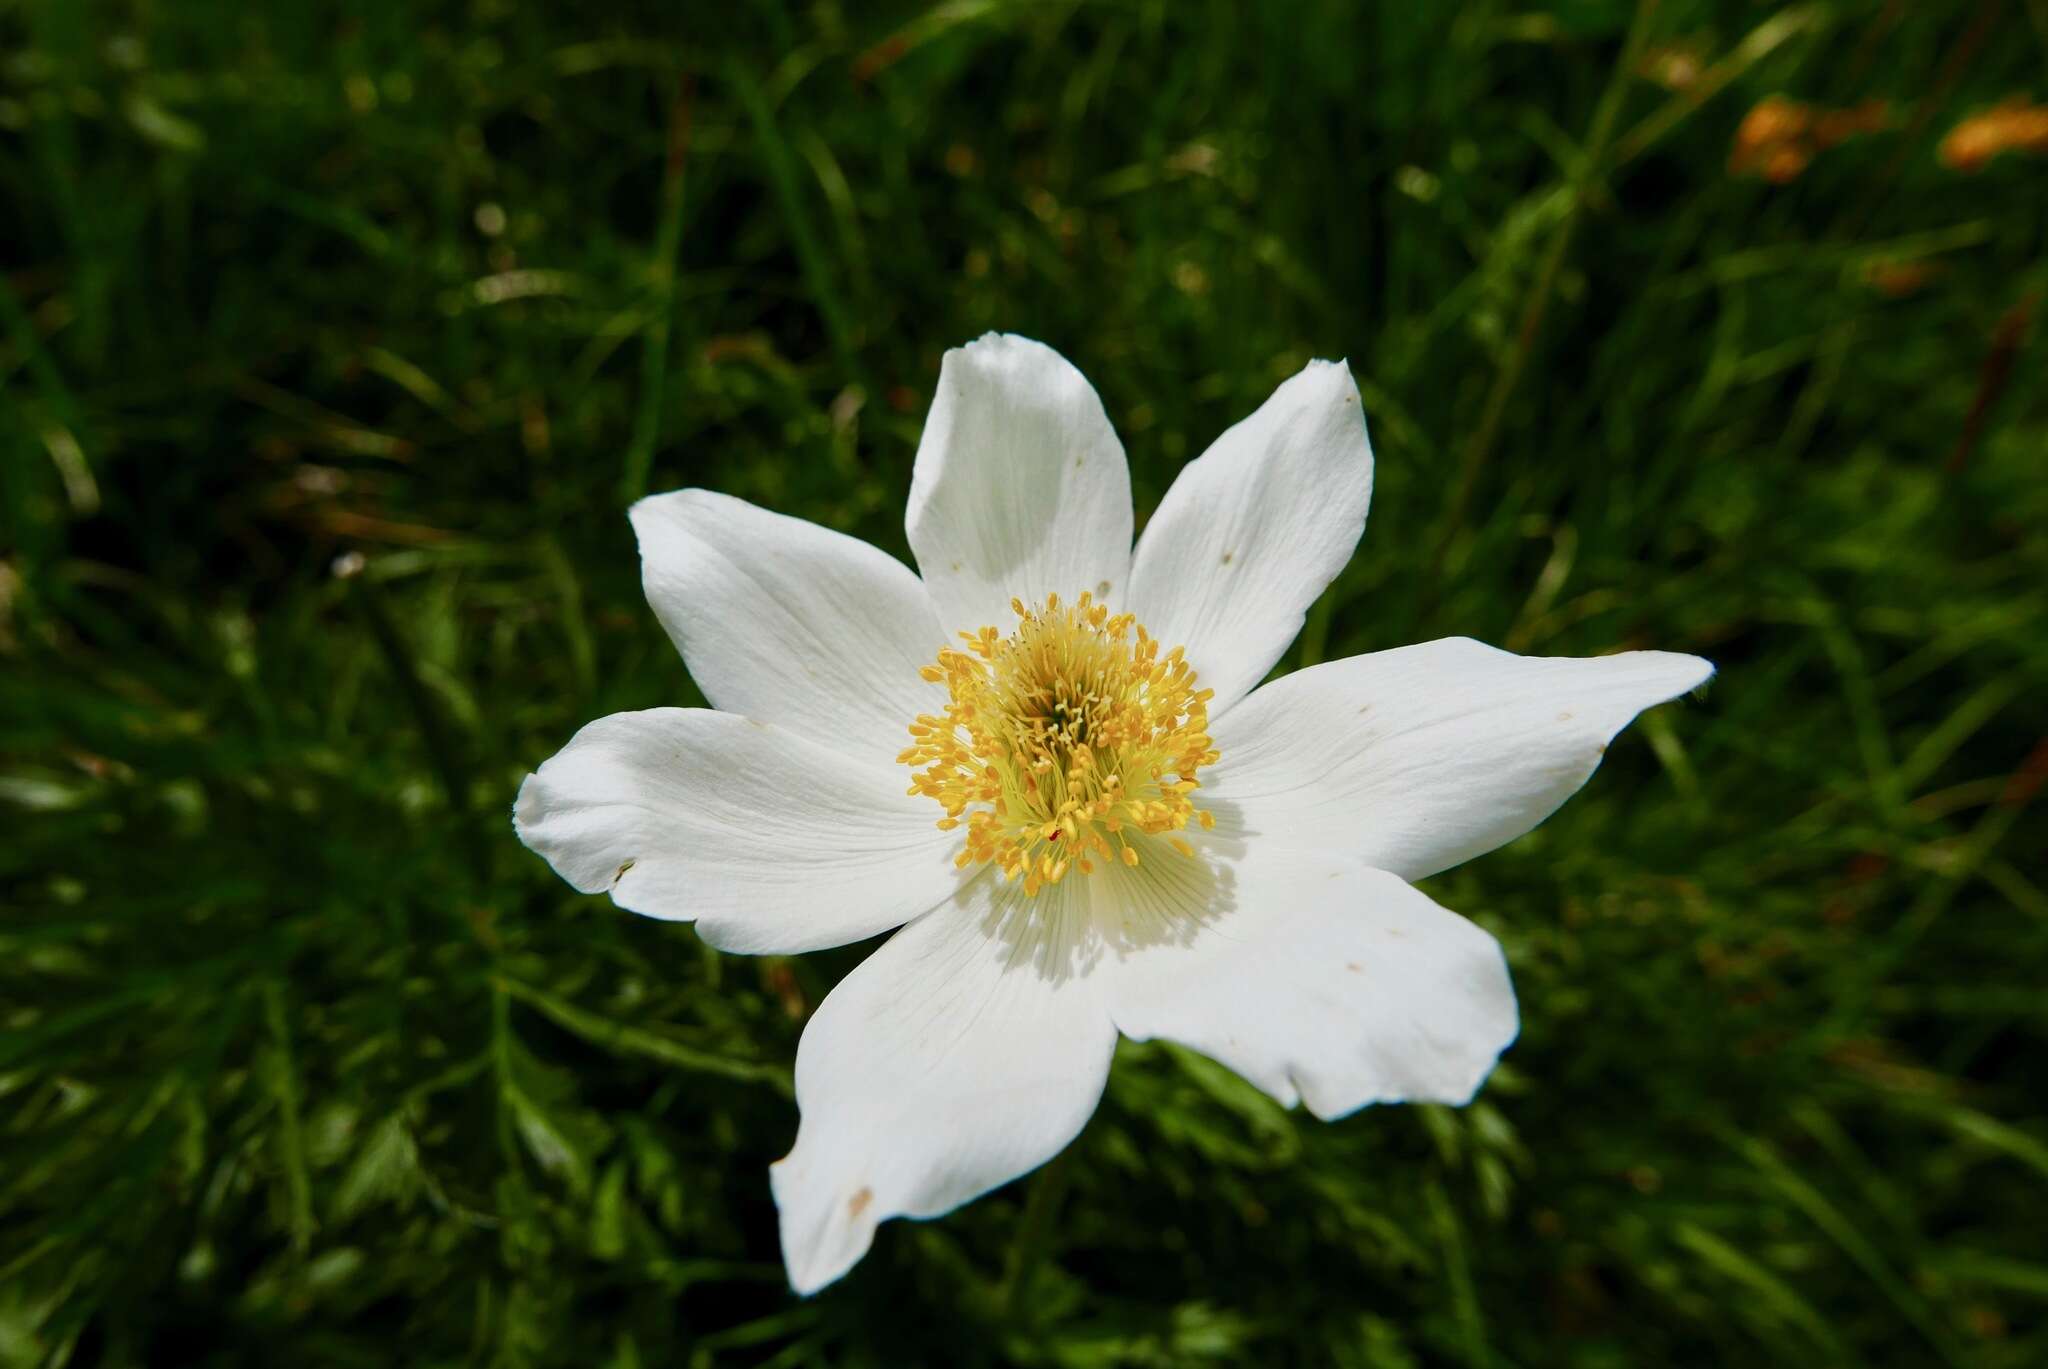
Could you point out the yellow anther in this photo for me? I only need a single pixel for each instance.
(1057, 737)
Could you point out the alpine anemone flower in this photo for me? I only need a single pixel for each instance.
(1047, 762)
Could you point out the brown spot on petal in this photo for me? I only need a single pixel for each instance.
(1228, 556)
(858, 1203)
(1354, 967)
(1564, 717)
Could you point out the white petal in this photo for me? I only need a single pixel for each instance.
(1416, 759)
(969, 1049)
(770, 842)
(1020, 488)
(1316, 978)
(788, 622)
(1254, 529)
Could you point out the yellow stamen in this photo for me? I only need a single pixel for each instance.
(1058, 736)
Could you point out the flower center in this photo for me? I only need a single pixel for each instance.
(1060, 739)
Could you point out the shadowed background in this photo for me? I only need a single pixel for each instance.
(1701, 326)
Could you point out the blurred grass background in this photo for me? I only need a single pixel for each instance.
(1697, 324)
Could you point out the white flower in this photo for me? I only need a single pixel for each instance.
(1098, 835)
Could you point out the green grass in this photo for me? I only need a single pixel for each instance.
(304, 1060)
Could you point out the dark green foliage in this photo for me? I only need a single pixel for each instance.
(304, 1060)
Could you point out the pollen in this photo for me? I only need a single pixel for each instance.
(1061, 740)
